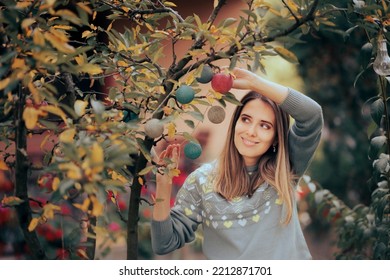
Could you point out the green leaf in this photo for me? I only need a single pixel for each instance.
(376, 110)
(286, 54)
(197, 115)
(147, 169)
(190, 123)
(227, 22)
(229, 97)
(377, 146)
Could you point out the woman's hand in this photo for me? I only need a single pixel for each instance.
(247, 80)
(243, 79)
(168, 161)
(169, 158)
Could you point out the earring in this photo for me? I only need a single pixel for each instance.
(274, 148)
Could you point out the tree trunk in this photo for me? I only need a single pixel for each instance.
(133, 214)
(21, 168)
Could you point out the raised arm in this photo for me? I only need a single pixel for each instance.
(162, 207)
(247, 80)
(305, 133)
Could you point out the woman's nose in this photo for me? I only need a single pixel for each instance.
(251, 130)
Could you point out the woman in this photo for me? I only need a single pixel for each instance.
(245, 199)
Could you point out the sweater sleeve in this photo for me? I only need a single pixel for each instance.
(185, 216)
(305, 134)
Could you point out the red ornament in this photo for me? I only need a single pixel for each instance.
(222, 82)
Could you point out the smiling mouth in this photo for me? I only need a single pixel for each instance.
(249, 142)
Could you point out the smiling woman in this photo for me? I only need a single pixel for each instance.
(249, 189)
(254, 131)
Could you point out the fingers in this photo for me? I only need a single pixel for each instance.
(172, 152)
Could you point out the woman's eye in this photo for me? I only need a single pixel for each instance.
(244, 119)
(265, 126)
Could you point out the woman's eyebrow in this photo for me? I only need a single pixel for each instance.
(264, 121)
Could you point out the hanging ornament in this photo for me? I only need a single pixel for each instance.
(185, 94)
(216, 114)
(382, 61)
(192, 150)
(154, 128)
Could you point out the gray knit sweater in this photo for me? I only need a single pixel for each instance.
(244, 228)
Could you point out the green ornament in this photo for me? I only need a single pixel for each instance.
(185, 94)
(192, 150)
(206, 75)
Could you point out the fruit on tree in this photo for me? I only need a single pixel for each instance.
(154, 128)
(206, 75)
(185, 94)
(192, 150)
(216, 114)
(222, 82)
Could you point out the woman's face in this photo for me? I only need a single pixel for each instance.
(255, 131)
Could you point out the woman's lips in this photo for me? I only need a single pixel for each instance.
(249, 142)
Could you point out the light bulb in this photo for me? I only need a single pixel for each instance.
(382, 61)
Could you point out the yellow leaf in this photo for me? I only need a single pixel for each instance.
(216, 3)
(4, 83)
(169, 4)
(118, 177)
(84, 7)
(27, 22)
(30, 117)
(171, 130)
(38, 37)
(59, 44)
(97, 158)
(91, 69)
(80, 59)
(11, 201)
(35, 93)
(80, 106)
(33, 224)
(141, 181)
(122, 63)
(63, 27)
(286, 54)
(56, 183)
(69, 15)
(84, 206)
(98, 208)
(86, 34)
(110, 26)
(67, 136)
(54, 110)
(23, 4)
(174, 172)
(73, 171)
(3, 165)
(49, 209)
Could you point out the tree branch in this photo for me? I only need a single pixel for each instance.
(215, 12)
(298, 23)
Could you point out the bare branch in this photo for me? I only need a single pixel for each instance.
(215, 12)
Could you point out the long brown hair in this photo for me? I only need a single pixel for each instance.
(232, 178)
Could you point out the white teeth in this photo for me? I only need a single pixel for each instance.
(248, 142)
